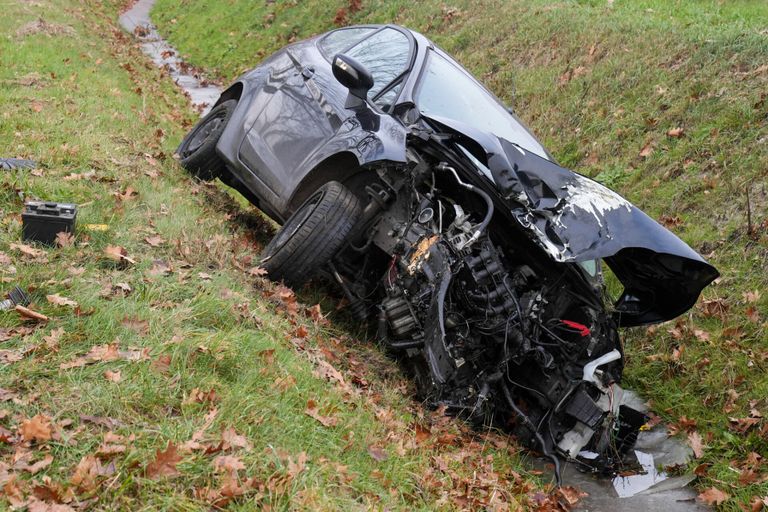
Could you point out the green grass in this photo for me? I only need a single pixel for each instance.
(598, 82)
(80, 98)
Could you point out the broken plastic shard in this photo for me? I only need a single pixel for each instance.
(666, 451)
(627, 486)
(8, 164)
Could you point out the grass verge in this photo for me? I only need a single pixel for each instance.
(169, 374)
(664, 101)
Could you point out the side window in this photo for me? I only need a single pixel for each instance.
(386, 100)
(339, 40)
(385, 54)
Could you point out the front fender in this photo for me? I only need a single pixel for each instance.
(369, 137)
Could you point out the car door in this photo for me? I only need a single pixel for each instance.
(290, 126)
(295, 121)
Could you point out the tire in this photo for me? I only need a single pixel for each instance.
(197, 152)
(312, 235)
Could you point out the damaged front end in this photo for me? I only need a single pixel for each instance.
(499, 320)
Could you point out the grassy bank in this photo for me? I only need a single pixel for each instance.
(664, 101)
(169, 375)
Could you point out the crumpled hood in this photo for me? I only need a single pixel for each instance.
(575, 219)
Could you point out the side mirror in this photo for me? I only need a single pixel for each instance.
(352, 75)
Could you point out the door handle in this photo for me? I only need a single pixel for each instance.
(307, 72)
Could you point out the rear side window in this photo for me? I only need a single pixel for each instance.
(385, 54)
(339, 40)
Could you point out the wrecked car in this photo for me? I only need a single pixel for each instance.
(450, 228)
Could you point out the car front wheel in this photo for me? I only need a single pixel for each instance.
(197, 152)
(312, 235)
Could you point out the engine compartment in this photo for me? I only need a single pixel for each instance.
(490, 329)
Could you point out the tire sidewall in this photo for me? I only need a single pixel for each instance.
(197, 161)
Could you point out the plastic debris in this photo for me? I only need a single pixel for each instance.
(8, 164)
(16, 297)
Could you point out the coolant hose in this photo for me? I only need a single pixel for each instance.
(442, 166)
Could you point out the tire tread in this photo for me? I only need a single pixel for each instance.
(316, 242)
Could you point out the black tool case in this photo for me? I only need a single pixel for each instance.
(42, 221)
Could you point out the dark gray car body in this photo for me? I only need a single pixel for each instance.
(291, 133)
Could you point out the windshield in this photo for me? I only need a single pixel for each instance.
(446, 90)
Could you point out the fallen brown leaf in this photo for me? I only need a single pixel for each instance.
(87, 472)
(313, 412)
(160, 268)
(58, 300)
(154, 241)
(113, 445)
(230, 440)
(128, 194)
(107, 352)
(284, 383)
(39, 465)
(742, 425)
(165, 462)
(162, 364)
(65, 239)
(118, 254)
(752, 296)
(199, 396)
(29, 251)
(713, 496)
(647, 150)
(38, 428)
(422, 433)
(137, 325)
(694, 440)
(228, 464)
(571, 495)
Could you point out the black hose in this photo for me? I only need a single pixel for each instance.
(442, 166)
(542, 443)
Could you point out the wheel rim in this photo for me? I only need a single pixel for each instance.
(203, 132)
(297, 221)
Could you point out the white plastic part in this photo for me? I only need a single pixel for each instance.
(590, 367)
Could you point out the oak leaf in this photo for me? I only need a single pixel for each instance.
(65, 239)
(38, 428)
(165, 462)
(87, 472)
(228, 464)
(231, 439)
